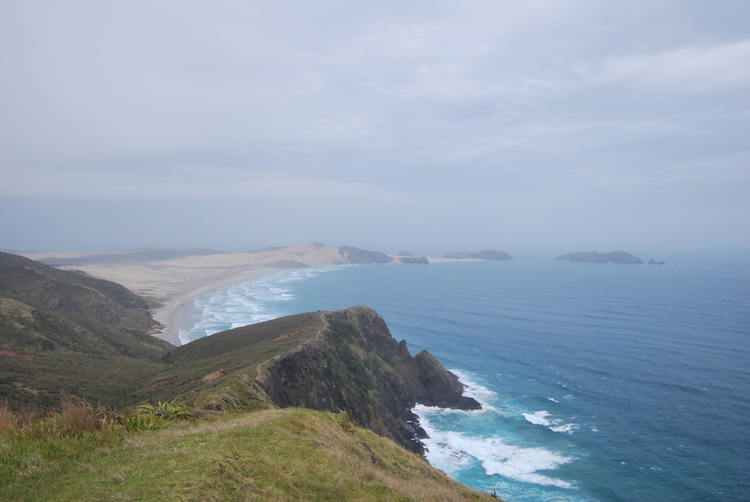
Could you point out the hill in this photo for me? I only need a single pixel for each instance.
(594, 257)
(67, 333)
(328, 361)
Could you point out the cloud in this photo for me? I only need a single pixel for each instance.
(427, 107)
(692, 69)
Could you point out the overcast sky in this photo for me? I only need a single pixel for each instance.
(430, 126)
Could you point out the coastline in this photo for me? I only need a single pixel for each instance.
(170, 314)
(170, 285)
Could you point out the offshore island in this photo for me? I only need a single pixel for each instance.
(595, 257)
(314, 406)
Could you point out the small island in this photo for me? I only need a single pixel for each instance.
(595, 257)
(481, 255)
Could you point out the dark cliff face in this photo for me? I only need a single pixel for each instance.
(355, 365)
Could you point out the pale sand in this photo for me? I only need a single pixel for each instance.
(173, 284)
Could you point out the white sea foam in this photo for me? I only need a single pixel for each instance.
(473, 389)
(452, 451)
(538, 418)
(245, 303)
(555, 425)
(566, 428)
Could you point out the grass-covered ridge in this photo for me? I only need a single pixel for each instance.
(281, 454)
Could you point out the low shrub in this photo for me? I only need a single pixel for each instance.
(169, 411)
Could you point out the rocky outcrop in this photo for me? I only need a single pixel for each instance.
(355, 365)
(594, 257)
(487, 254)
(652, 262)
(354, 255)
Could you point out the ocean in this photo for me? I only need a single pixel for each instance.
(599, 382)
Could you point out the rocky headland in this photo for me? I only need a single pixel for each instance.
(354, 364)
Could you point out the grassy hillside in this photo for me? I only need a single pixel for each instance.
(219, 371)
(65, 333)
(284, 455)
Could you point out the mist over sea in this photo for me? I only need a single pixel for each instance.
(598, 381)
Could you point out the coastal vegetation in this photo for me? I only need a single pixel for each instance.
(314, 406)
(282, 454)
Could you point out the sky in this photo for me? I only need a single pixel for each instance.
(427, 126)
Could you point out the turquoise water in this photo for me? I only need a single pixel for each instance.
(599, 382)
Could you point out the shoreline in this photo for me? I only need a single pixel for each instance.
(171, 285)
(170, 314)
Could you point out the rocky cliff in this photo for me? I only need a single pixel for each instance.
(354, 364)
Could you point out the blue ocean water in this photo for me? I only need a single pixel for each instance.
(598, 381)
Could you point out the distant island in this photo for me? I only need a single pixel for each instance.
(595, 257)
(481, 255)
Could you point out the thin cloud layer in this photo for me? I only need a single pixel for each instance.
(503, 120)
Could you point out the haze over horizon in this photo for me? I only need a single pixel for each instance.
(425, 126)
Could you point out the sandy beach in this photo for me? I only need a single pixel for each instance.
(172, 284)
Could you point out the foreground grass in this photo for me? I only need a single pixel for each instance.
(280, 455)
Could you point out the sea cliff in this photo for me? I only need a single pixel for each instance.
(354, 364)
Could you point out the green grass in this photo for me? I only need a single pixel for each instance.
(282, 455)
(237, 353)
(117, 379)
